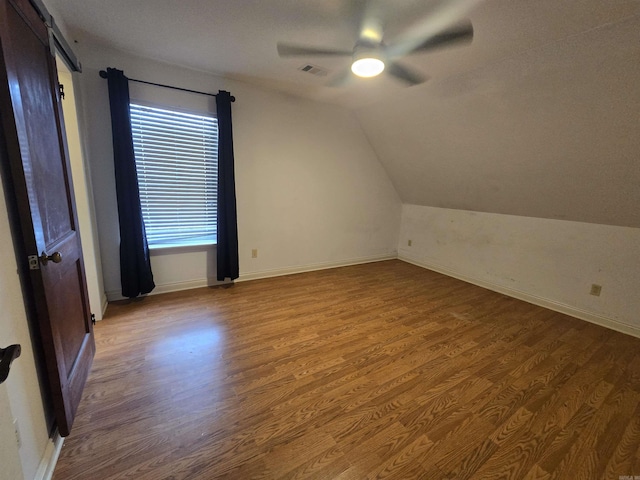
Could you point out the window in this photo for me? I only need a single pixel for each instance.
(177, 164)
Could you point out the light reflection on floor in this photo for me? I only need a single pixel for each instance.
(199, 340)
(189, 361)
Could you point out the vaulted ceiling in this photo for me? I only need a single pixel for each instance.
(539, 116)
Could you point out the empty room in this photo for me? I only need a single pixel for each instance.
(338, 239)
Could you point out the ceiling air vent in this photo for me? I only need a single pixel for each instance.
(314, 70)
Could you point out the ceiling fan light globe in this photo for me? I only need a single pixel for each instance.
(367, 67)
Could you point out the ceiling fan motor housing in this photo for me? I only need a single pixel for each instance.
(364, 49)
(368, 60)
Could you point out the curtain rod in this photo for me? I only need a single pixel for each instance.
(103, 74)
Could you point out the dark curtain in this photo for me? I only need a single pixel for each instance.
(227, 228)
(135, 265)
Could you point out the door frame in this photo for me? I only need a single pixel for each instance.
(82, 187)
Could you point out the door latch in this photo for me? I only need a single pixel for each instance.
(34, 262)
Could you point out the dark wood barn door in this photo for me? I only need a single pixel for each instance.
(34, 154)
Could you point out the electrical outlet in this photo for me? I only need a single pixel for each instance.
(254, 253)
(16, 429)
(409, 242)
(595, 290)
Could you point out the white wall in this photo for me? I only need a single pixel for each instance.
(311, 191)
(22, 384)
(9, 455)
(549, 262)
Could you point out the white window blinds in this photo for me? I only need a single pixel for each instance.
(177, 165)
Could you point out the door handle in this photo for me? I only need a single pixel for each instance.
(8, 355)
(55, 257)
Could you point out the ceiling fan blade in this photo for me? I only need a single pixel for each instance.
(408, 76)
(341, 79)
(432, 25)
(459, 34)
(288, 50)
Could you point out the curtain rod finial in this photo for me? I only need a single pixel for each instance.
(103, 74)
(231, 97)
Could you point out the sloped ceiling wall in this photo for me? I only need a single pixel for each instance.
(553, 132)
(539, 117)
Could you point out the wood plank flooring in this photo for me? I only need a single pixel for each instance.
(383, 370)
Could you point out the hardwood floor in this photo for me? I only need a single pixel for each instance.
(382, 370)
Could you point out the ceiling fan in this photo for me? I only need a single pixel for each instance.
(371, 55)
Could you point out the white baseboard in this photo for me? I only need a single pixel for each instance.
(511, 292)
(50, 458)
(278, 272)
(115, 295)
(105, 303)
(527, 297)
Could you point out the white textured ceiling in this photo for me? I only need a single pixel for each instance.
(539, 116)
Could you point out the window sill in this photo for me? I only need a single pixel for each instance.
(181, 248)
